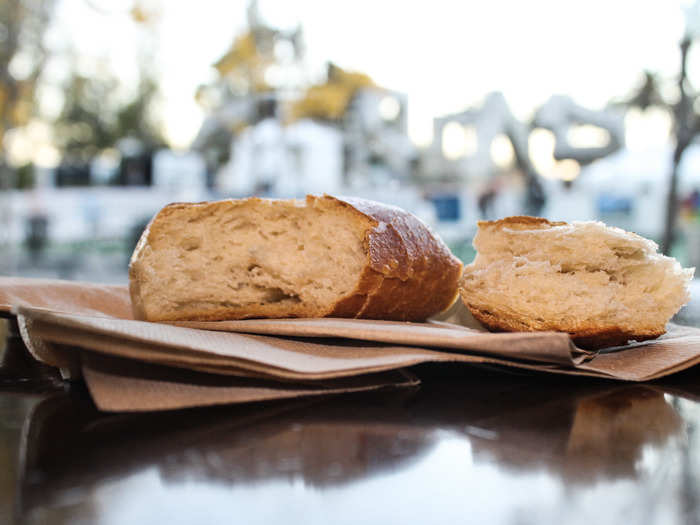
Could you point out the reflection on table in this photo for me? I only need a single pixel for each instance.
(440, 445)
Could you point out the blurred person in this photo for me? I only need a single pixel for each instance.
(36, 227)
(486, 199)
(36, 239)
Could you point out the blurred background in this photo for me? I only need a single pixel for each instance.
(456, 111)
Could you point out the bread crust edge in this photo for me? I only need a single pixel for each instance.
(589, 337)
(521, 220)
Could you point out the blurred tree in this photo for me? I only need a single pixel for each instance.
(245, 66)
(25, 176)
(84, 124)
(648, 94)
(686, 126)
(329, 101)
(135, 117)
(95, 116)
(245, 63)
(22, 57)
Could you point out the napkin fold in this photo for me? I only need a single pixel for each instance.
(88, 330)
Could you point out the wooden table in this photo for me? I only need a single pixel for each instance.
(471, 445)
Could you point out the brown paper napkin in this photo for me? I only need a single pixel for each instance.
(57, 317)
(546, 347)
(65, 296)
(119, 385)
(122, 385)
(306, 360)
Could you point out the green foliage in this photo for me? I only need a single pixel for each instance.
(25, 177)
(96, 112)
(22, 27)
(95, 116)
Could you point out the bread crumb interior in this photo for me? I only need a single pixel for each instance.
(266, 254)
(575, 275)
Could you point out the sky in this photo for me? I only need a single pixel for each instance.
(445, 55)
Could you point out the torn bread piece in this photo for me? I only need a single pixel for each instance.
(602, 285)
(323, 256)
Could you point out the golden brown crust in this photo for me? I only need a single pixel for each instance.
(590, 337)
(521, 220)
(410, 273)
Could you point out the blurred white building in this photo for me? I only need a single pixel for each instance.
(628, 189)
(292, 160)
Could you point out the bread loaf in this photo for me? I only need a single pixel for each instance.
(325, 256)
(601, 284)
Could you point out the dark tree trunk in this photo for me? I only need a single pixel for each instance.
(684, 130)
(672, 202)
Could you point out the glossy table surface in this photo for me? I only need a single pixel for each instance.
(470, 445)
